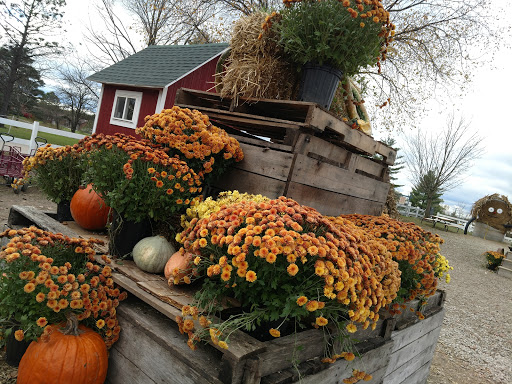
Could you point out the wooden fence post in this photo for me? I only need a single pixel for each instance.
(35, 130)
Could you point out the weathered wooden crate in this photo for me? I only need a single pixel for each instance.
(251, 361)
(151, 349)
(312, 156)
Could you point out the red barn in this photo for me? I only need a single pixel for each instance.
(146, 82)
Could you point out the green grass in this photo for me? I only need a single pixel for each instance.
(22, 133)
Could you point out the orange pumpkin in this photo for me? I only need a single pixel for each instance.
(88, 209)
(181, 260)
(73, 354)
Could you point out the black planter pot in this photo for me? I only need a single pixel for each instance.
(319, 83)
(64, 211)
(14, 349)
(124, 234)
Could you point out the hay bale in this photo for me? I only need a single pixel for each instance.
(486, 210)
(256, 66)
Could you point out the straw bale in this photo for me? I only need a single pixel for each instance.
(257, 67)
(481, 207)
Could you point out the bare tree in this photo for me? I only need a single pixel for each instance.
(437, 45)
(77, 94)
(27, 26)
(439, 162)
(153, 22)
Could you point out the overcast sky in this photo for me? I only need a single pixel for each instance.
(487, 106)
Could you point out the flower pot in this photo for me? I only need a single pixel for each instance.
(319, 83)
(64, 212)
(124, 234)
(14, 349)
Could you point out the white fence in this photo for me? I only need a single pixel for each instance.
(36, 128)
(407, 210)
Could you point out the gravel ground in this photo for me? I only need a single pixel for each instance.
(475, 345)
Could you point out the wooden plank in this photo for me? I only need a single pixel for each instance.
(160, 350)
(403, 372)
(243, 181)
(331, 203)
(27, 215)
(294, 110)
(265, 162)
(323, 120)
(408, 353)
(318, 174)
(404, 337)
(122, 371)
(309, 144)
(130, 269)
(371, 362)
(241, 345)
(420, 376)
(175, 296)
(262, 143)
(281, 351)
(279, 122)
(407, 317)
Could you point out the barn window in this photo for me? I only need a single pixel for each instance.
(125, 111)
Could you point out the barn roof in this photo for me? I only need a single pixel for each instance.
(158, 65)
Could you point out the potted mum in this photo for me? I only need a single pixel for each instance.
(329, 39)
(58, 173)
(140, 182)
(46, 277)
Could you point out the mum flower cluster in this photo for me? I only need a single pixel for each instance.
(494, 259)
(206, 149)
(415, 250)
(281, 260)
(56, 171)
(201, 209)
(138, 178)
(46, 276)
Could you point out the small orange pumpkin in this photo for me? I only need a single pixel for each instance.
(181, 260)
(73, 354)
(88, 209)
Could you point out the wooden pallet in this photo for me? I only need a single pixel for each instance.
(282, 120)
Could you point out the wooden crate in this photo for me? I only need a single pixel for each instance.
(313, 157)
(250, 361)
(151, 349)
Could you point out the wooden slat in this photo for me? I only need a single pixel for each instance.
(154, 345)
(280, 352)
(121, 370)
(318, 174)
(130, 269)
(263, 143)
(283, 123)
(26, 215)
(265, 162)
(323, 120)
(241, 345)
(420, 376)
(171, 295)
(422, 358)
(372, 362)
(331, 203)
(243, 181)
(293, 110)
(405, 337)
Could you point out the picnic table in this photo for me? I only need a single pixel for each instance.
(447, 221)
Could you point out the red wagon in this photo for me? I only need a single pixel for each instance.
(11, 162)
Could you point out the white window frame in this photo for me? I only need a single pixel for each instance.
(135, 116)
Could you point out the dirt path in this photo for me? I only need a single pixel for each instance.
(475, 346)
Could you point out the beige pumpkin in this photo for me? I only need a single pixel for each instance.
(181, 260)
(151, 254)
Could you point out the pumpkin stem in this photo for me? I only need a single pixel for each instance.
(71, 327)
